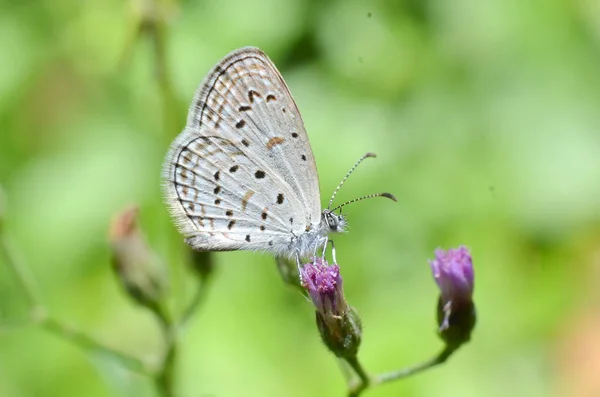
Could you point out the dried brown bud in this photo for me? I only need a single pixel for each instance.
(141, 272)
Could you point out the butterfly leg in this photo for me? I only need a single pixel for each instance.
(327, 240)
(324, 242)
(299, 266)
(333, 252)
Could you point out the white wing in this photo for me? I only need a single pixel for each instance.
(242, 174)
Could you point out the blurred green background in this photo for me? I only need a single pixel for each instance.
(485, 116)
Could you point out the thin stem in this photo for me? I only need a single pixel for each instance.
(405, 372)
(22, 272)
(86, 343)
(345, 370)
(132, 36)
(164, 376)
(39, 315)
(165, 379)
(363, 378)
(192, 308)
(159, 38)
(10, 327)
(157, 29)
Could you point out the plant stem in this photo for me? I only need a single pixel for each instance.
(22, 272)
(365, 381)
(39, 315)
(172, 331)
(165, 376)
(135, 29)
(363, 378)
(157, 28)
(405, 372)
(165, 379)
(86, 343)
(158, 35)
(192, 308)
(348, 375)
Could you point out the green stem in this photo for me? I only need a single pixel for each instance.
(405, 372)
(165, 376)
(158, 36)
(22, 272)
(192, 308)
(363, 378)
(86, 343)
(39, 315)
(135, 29)
(165, 379)
(345, 370)
(365, 381)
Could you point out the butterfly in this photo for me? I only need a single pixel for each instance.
(242, 175)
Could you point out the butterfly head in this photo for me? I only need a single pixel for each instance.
(335, 222)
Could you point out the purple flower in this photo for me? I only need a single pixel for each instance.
(453, 273)
(324, 286)
(338, 324)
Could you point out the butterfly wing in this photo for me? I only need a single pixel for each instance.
(242, 174)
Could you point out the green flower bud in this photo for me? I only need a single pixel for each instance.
(202, 264)
(339, 324)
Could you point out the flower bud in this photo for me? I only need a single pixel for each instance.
(288, 270)
(140, 271)
(453, 272)
(202, 263)
(338, 323)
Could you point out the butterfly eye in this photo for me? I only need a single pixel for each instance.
(332, 221)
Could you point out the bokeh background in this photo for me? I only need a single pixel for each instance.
(485, 116)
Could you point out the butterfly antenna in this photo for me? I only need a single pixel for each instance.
(387, 195)
(360, 160)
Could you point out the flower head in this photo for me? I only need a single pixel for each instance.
(324, 286)
(453, 273)
(338, 324)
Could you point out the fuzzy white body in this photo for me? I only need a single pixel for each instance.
(304, 245)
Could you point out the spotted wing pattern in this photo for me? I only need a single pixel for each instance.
(242, 174)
